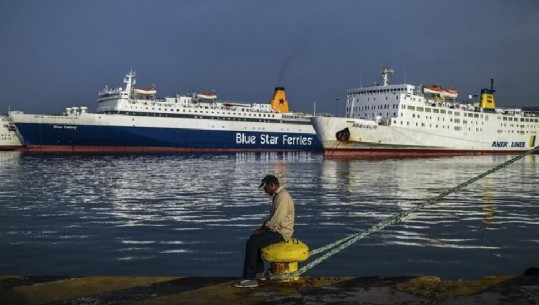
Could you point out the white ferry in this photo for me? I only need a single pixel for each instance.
(9, 139)
(132, 119)
(404, 120)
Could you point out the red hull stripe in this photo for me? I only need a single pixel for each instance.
(10, 147)
(390, 153)
(135, 149)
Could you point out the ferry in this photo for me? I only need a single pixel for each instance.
(402, 120)
(132, 119)
(9, 138)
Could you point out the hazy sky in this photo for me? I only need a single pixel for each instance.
(60, 53)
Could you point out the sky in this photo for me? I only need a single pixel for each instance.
(60, 53)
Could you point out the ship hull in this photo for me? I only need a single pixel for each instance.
(368, 139)
(9, 139)
(122, 133)
(5, 147)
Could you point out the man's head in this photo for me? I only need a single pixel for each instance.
(270, 183)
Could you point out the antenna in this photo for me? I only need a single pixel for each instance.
(386, 72)
(405, 72)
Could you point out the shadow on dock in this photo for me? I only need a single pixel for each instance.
(100, 290)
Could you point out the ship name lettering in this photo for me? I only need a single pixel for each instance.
(518, 144)
(267, 139)
(298, 140)
(358, 125)
(64, 127)
(499, 144)
(242, 138)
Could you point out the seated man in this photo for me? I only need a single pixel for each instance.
(279, 226)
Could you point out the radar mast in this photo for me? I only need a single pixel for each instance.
(386, 73)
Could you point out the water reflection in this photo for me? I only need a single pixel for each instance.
(9, 158)
(381, 188)
(165, 214)
(488, 207)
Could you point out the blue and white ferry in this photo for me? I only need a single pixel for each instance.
(132, 119)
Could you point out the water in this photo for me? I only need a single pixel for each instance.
(189, 215)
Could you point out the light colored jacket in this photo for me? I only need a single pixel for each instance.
(281, 217)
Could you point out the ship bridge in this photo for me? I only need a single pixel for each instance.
(376, 101)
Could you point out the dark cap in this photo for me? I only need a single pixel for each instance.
(269, 179)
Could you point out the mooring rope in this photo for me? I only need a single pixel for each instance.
(344, 243)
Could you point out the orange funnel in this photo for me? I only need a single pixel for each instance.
(279, 101)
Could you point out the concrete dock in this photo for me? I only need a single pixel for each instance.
(100, 290)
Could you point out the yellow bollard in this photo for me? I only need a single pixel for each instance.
(284, 257)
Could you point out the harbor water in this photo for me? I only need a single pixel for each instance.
(190, 214)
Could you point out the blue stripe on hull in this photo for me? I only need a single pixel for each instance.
(119, 136)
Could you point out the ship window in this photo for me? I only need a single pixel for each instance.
(411, 107)
(457, 113)
(442, 111)
(435, 110)
(427, 109)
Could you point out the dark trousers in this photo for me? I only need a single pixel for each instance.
(253, 262)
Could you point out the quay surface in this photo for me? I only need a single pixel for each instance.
(100, 290)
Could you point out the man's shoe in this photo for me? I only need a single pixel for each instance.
(246, 283)
(262, 276)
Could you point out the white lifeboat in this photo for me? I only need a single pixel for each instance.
(207, 96)
(441, 91)
(145, 91)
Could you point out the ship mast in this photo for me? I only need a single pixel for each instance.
(129, 80)
(386, 73)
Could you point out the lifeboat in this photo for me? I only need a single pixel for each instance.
(145, 91)
(207, 95)
(441, 91)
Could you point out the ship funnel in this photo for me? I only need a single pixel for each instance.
(278, 101)
(487, 97)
